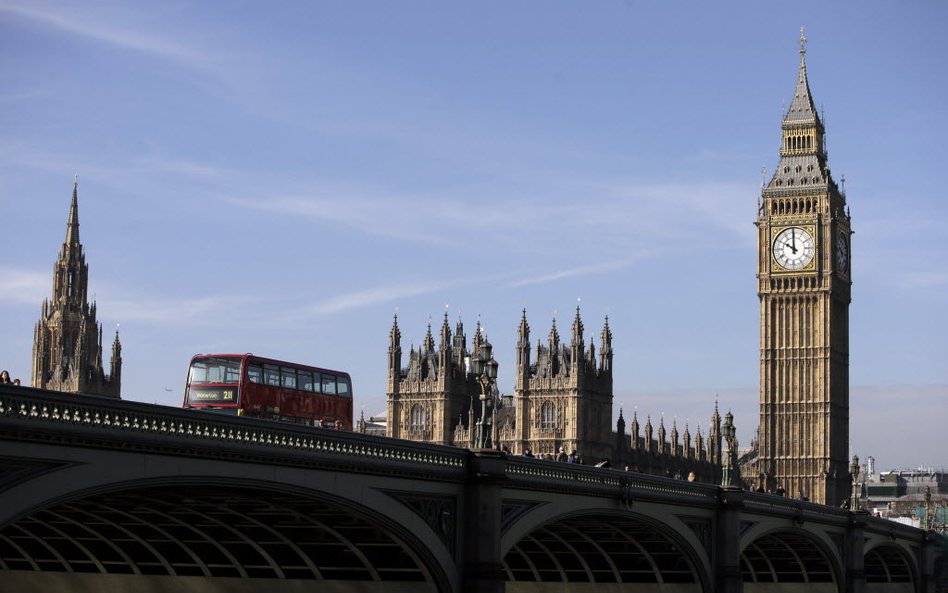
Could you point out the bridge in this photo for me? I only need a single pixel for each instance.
(103, 495)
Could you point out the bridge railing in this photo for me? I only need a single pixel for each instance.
(554, 475)
(35, 412)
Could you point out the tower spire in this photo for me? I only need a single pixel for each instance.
(802, 110)
(577, 338)
(68, 340)
(72, 225)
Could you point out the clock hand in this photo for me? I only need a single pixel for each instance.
(793, 238)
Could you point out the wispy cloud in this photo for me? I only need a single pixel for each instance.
(198, 311)
(629, 215)
(79, 20)
(23, 287)
(589, 270)
(922, 279)
(114, 167)
(373, 296)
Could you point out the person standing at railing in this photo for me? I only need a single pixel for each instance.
(5, 378)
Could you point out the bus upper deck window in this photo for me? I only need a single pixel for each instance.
(271, 374)
(306, 381)
(255, 373)
(329, 384)
(289, 377)
(342, 386)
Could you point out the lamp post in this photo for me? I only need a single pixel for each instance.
(730, 454)
(485, 368)
(854, 472)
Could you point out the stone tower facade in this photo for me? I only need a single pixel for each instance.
(563, 397)
(434, 398)
(804, 288)
(67, 340)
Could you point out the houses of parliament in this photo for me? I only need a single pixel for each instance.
(563, 394)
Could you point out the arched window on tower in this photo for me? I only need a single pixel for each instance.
(547, 416)
(418, 418)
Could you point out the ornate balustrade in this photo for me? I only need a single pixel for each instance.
(27, 410)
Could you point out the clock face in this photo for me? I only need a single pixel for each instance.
(793, 248)
(842, 253)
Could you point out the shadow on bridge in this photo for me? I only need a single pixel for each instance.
(217, 536)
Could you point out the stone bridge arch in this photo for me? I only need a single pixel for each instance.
(790, 559)
(277, 529)
(601, 549)
(889, 567)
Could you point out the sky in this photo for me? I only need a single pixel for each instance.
(282, 178)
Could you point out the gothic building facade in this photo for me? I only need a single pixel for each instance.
(563, 396)
(67, 340)
(562, 401)
(804, 287)
(434, 398)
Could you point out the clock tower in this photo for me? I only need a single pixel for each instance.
(804, 281)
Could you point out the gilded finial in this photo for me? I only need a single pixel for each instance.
(802, 41)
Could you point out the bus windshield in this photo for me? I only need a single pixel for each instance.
(214, 370)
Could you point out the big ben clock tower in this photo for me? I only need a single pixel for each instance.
(803, 274)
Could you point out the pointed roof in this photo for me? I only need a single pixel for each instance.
(524, 329)
(606, 337)
(577, 328)
(72, 225)
(554, 335)
(802, 110)
(428, 344)
(445, 332)
(395, 334)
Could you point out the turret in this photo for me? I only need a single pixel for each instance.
(445, 357)
(662, 443)
(649, 447)
(428, 345)
(635, 430)
(686, 445)
(699, 446)
(394, 354)
(714, 437)
(554, 346)
(523, 352)
(605, 350)
(460, 344)
(115, 372)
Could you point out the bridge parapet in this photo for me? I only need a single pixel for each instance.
(552, 475)
(34, 413)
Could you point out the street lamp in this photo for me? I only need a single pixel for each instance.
(854, 472)
(485, 369)
(730, 455)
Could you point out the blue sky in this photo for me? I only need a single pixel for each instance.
(280, 177)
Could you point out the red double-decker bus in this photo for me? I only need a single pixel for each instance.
(248, 385)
